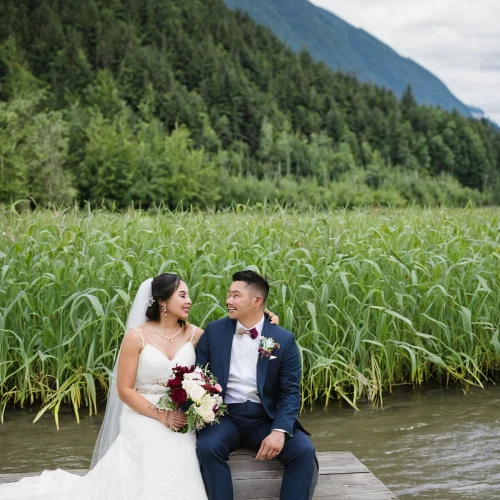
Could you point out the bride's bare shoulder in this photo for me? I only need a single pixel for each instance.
(135, 336)
(198, 332)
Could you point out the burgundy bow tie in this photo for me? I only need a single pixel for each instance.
(253, 332)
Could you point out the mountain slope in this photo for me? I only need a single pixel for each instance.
(342, 46)
(163, 101)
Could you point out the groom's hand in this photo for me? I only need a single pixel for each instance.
(271, 446)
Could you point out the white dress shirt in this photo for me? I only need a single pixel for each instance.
(242, 380)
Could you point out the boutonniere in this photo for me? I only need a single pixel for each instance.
(266, 346)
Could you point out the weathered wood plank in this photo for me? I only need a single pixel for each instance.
(341, 476)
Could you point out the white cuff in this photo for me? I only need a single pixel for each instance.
(281, 430)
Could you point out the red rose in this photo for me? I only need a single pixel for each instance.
(174, 383)
(181, 370)
(179, 396)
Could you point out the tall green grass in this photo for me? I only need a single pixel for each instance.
(374, 298)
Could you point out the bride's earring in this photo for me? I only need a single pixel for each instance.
(164, 309)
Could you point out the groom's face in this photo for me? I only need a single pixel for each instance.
(241, 300)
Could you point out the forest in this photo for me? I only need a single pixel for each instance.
(187, 103)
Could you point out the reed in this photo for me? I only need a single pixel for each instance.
(374, 298)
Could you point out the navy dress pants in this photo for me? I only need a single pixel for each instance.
(247, 425)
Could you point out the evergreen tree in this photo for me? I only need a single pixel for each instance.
(150, 101)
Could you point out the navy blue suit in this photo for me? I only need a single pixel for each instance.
(248, 424)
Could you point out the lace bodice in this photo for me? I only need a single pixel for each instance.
(154, 367)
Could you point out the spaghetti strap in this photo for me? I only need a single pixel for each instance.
(139, 335)
(192, 335)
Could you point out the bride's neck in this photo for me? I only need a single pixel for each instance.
(168, 323)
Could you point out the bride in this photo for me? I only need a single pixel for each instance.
(138, 454)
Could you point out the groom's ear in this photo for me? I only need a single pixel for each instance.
(258, 301)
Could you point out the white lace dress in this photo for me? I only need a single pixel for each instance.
(146, 462)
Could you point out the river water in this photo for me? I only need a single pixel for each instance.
(428, 443)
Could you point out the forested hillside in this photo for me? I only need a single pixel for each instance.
(149, 101)
(343, 47)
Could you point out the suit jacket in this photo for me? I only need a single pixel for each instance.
(278, 379)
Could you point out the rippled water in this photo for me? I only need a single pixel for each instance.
(438, 444)
(435, 443)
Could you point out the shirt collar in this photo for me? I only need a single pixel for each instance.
(259, 326)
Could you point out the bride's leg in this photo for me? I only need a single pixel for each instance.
(215, 443)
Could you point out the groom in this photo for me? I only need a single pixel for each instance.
(261, 390)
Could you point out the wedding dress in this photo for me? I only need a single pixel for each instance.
(147, 461)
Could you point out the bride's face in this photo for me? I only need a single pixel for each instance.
(179, 304)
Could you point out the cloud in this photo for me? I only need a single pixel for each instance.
(457, 41)
(491, 63)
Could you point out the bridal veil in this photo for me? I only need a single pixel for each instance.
(111, 423)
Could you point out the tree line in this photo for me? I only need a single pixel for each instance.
(170, 101)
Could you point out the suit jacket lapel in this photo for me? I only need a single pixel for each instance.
(226, 338)
(262, 363)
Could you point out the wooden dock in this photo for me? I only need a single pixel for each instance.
(341, 477)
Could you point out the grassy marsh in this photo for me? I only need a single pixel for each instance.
(375, 298)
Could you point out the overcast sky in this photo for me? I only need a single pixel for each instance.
(457, 40)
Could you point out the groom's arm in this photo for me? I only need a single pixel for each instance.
(288, 402)
(288, 388)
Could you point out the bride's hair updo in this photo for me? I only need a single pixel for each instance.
(162, 288)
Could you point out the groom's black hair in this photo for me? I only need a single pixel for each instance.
(254, 280)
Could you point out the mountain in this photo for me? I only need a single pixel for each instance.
(342, 46)
(168, 101)
(477, 113)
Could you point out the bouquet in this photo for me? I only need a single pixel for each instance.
(196, 391)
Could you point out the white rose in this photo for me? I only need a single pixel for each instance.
(196, 393)
(187, 385)
(206, 414)
(208, 400)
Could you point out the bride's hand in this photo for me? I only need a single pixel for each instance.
(273, 318)
(174, 419)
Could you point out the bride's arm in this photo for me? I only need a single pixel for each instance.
(127, 371)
